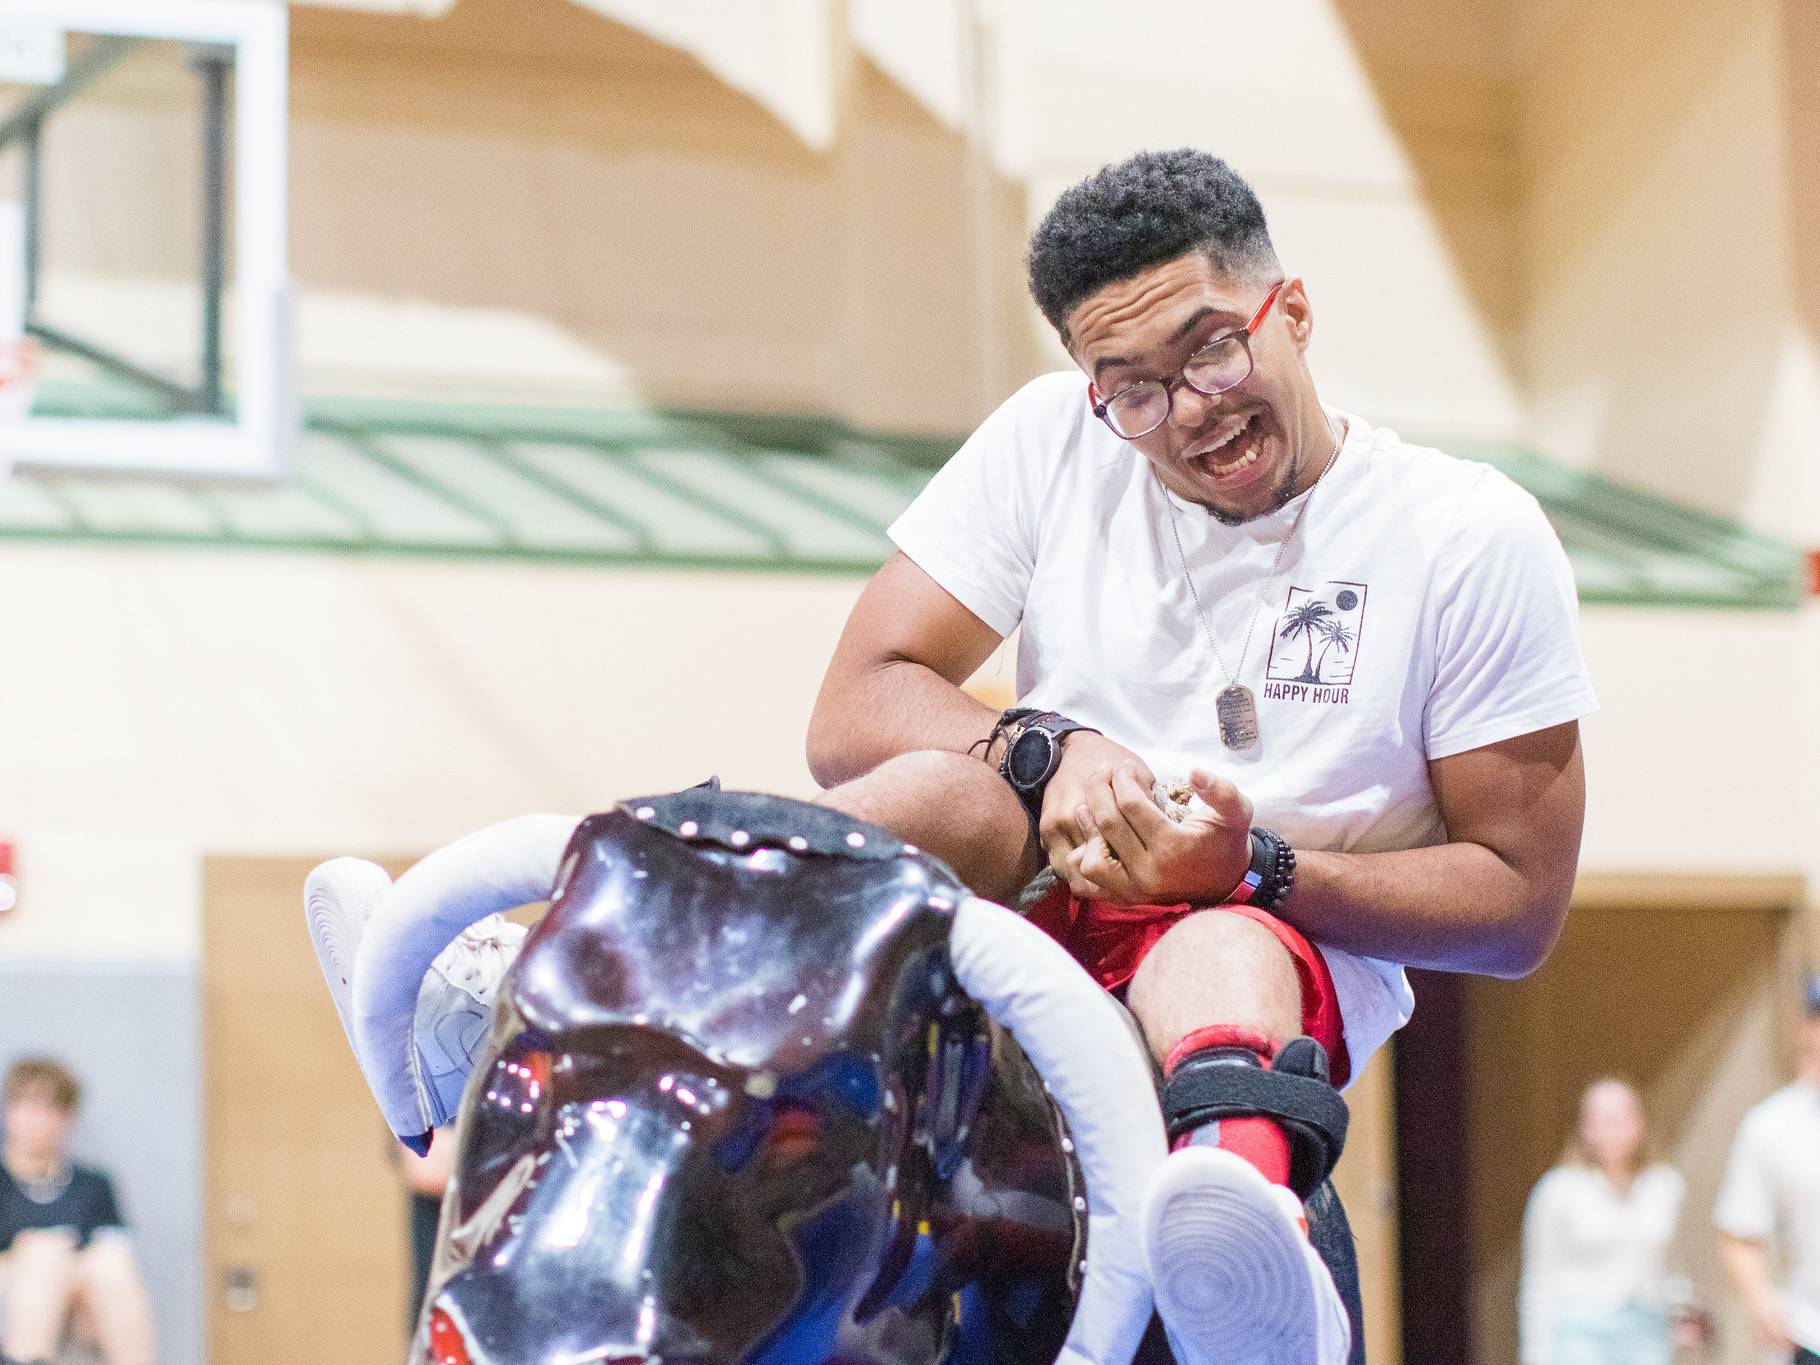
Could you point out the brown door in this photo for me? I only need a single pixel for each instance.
(305, 1231)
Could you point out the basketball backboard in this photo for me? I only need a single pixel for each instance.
(142, 234)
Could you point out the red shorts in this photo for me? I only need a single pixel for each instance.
(1111, 940)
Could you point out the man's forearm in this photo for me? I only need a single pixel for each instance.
(1747, 1265)
(1456, 907)
(893, 708)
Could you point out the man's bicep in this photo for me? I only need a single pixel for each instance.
(1523, 798)
(904, 615)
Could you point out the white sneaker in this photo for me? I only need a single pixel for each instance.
(455, 1003)
(454, 1008)
(1236, 1280)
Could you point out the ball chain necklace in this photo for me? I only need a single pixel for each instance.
(1236, 707)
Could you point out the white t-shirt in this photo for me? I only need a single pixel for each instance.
(1588, 1245)
(1771, 1194)
(1438, 609)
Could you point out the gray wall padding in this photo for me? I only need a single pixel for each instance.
(132, 1034)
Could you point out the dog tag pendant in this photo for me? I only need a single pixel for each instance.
(1237, 710)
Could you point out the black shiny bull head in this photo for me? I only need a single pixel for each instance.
(763, 1088)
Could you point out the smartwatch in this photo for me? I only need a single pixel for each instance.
(1267, 881)
(1034, 753)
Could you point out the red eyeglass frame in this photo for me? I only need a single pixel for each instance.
(1248, 331)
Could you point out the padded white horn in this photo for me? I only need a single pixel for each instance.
(1097, 1073)
(339, 897)
(494, 869)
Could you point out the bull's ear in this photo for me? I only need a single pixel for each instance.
(492, 870)
(1098, 1074)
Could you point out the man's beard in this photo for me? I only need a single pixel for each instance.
(1278, 500)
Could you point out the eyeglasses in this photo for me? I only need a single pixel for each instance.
(1223, 363)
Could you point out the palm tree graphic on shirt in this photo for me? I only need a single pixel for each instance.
(1310, 621)
(1338, 636)
(1316, 641)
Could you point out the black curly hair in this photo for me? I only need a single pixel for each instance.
(1140, 212)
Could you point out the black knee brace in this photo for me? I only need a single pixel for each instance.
(1223, 1083)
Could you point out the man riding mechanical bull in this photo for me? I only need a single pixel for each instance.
(1298, 706)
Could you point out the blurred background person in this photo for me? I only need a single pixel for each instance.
(1596, 1287)
(425, 1179)
(1770, 1203)
(67, 1271)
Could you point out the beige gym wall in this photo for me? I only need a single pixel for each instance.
(540, 202)
(576, 208)
(180, 704)
(268, 703)
(1665, 341)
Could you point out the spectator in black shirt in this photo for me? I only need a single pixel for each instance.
(66, 1266)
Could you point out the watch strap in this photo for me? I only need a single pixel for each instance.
(1269, 876)
(1019, 722)
(1060, 725)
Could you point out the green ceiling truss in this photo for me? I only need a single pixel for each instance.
(667, 488)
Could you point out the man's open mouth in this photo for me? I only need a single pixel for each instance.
(1233, 447)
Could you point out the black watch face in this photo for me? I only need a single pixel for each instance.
(1028, 762)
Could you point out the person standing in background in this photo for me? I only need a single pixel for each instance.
(66, 1264)
(1770, 1201)
(1595, 1287)
(425, 1179)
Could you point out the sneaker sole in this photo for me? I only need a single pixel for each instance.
(455, 1019)
(451, 1028)
(1229, 1271)
(339, 897)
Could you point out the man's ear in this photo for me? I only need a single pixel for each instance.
(1298, 313)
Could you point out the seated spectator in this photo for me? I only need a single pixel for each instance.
(66, 1266)
(1595, 1284)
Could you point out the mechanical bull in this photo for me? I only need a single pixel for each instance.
(765, 1086)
